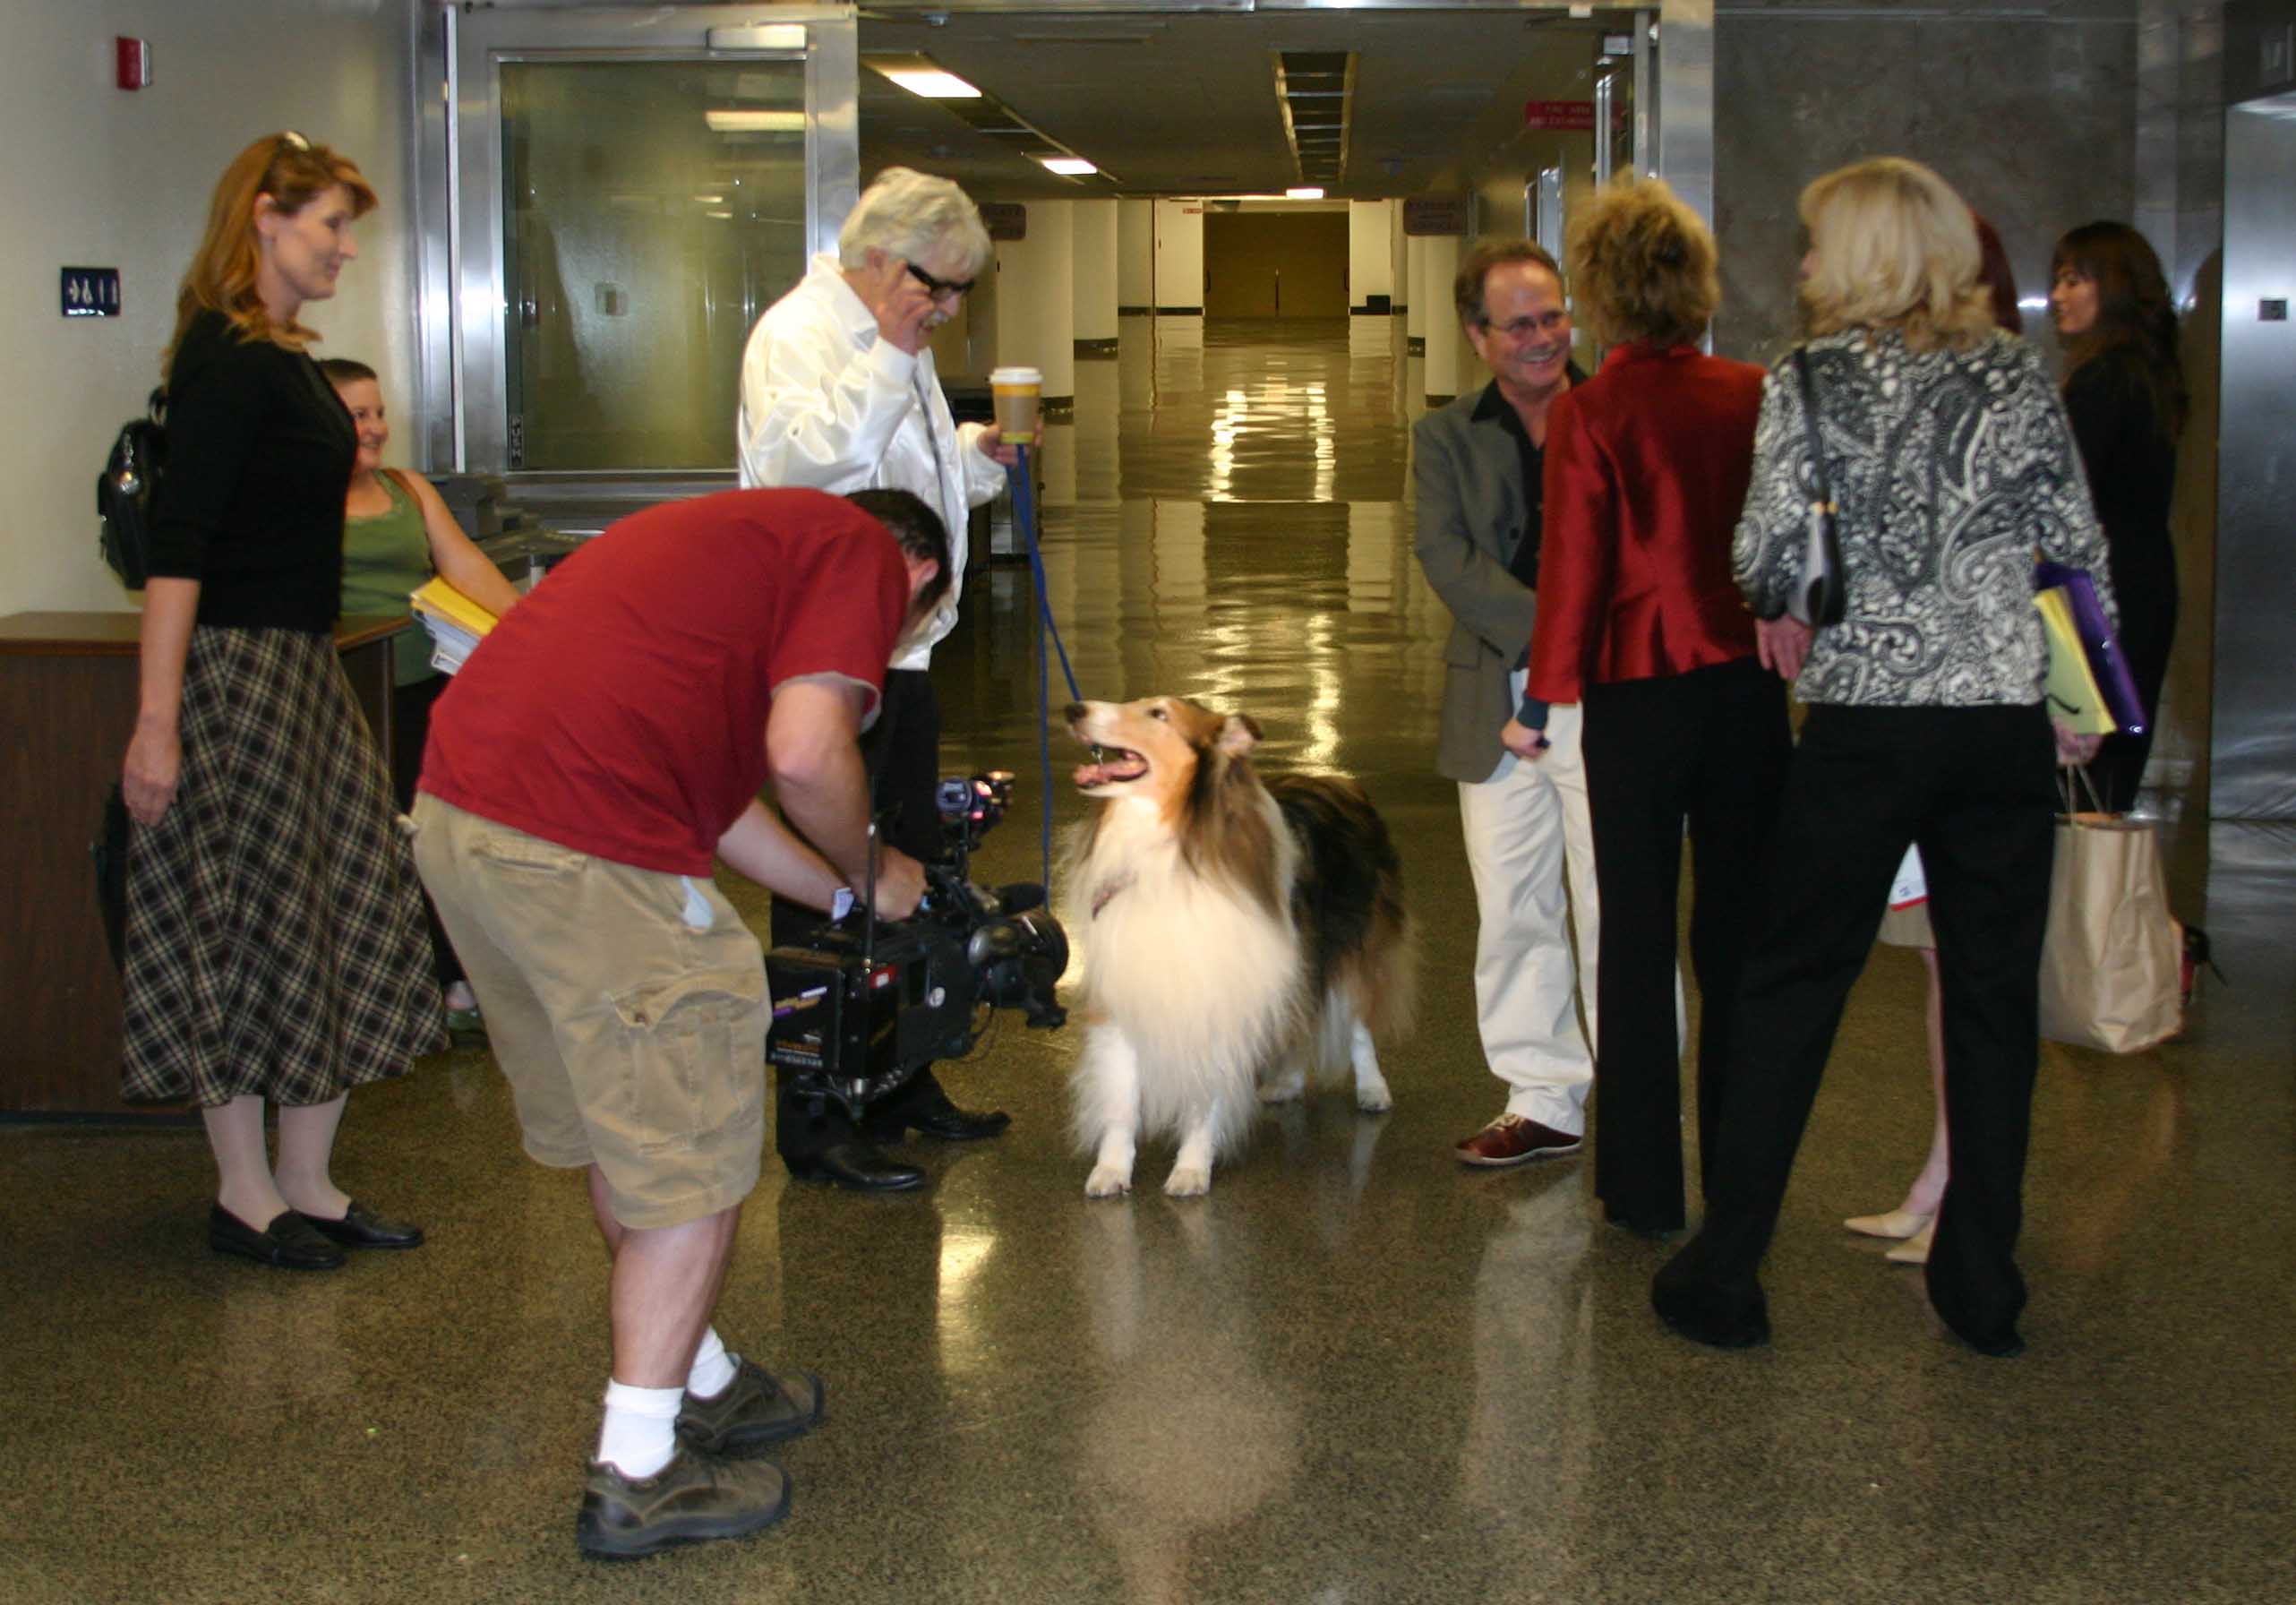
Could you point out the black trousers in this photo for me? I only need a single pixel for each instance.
(1974, 787)
(2148, 609)
(1709, 748)
(902, 752)
(410, 733)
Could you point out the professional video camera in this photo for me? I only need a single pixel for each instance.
(867, 1005)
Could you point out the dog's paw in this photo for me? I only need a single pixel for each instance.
(1373, 1098)
(1188, 1181)
(1283, 1089)
(1107, 1181)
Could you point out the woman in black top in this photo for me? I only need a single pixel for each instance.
(275, 945)
(2125, 397)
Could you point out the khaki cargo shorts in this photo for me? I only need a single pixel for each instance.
(627, 1008)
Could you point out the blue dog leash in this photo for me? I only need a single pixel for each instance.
(1024, 515)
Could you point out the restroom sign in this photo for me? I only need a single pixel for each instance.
(1567, 116)
(92, 292)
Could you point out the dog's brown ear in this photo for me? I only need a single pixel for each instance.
(1238, 735)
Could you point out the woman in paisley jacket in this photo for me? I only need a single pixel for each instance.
(1946, 450)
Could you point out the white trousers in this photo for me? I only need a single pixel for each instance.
(1520, 826)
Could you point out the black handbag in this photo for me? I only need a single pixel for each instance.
(1822, 591)
(125, 491)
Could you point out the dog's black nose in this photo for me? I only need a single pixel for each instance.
(1076, 711)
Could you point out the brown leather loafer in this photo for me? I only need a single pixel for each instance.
(1512, 1140)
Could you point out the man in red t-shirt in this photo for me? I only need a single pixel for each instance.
(604, 744)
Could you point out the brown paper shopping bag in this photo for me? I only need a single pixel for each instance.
(2109, 964)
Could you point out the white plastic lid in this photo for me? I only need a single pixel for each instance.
(1017, 376)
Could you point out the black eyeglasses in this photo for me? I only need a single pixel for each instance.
(938, 287)
(289, 139)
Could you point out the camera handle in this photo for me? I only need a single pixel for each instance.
(869, 901)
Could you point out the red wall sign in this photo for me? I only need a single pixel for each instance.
(1570, 116)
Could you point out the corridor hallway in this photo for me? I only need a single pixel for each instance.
(1356, 1374)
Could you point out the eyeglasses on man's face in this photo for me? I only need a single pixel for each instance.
(1523, 327)
(939, 289)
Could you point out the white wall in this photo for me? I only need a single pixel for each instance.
(1370, 268)
(100, 176)
(1135, 254)
(1093, 269)
(1036, 297)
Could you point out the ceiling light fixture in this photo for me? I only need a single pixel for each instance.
(1306, 193)
(931, 83)
(738, 121)
(1068, 166)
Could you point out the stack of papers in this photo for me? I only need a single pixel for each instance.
(457, 625)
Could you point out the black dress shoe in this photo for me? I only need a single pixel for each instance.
(363, 1229)
(288, 1242)
(858, 1166)
(1710, 1315)
(945, 1120)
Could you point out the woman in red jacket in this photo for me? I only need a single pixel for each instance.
(1641, 620)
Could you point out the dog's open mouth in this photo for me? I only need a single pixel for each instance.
(1109, 764)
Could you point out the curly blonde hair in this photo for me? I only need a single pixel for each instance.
(1643, 265)
(1892, 246)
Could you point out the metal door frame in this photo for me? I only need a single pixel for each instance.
(461, 276)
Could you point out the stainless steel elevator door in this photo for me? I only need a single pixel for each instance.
(2252, 747)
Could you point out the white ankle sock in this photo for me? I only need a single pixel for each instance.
(641, 1427)
(713, 1370)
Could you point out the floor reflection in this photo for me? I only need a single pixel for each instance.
(1353, 1375)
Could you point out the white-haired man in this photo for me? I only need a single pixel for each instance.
(838, 393)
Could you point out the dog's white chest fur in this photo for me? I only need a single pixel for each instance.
(1189, 965)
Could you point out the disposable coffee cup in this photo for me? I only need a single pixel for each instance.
(1016, 391)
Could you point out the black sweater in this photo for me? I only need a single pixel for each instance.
(2131, 462)
(260, 452)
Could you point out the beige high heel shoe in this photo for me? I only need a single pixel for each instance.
(1898, 1224)
(1915, 1249)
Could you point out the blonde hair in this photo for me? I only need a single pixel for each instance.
(294, 172)
(907, 214)
(1893, 246)
(1643, 265)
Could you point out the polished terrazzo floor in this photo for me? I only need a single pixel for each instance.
(1354, 1373)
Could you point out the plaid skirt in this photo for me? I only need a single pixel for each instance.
(275, 940)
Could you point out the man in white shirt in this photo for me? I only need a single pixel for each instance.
(838, 393)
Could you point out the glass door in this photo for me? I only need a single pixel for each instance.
(629, 190)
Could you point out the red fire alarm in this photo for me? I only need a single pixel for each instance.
(135, 59)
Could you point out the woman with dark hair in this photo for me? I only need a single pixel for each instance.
(274, 933)
(1684, 725)
(2125, 394)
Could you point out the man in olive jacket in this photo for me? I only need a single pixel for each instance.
(1477, 469)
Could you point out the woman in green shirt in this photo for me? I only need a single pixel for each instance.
(397, 533)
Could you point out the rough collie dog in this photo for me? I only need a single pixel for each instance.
(1236, 933)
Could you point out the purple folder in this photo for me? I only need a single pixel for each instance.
(2107, 661)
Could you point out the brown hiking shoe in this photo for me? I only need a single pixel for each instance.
(692, 1499)
(757, 1409)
